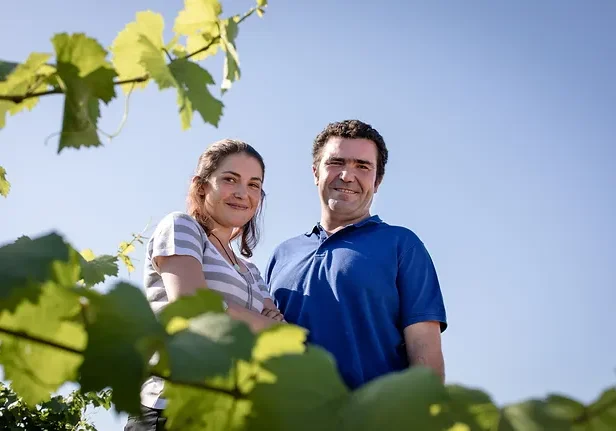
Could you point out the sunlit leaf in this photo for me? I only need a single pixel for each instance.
(35, 369)
(20, 79)
(88, 79)
(5, 186)
(128, 52)
(198, 21)
(472, 407)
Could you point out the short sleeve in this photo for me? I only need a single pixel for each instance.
(260, 282)
(177, 234)
(421, 298)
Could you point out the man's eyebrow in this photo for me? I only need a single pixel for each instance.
(356, 161)
(235, 174)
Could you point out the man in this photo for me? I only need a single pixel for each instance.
(366, 291)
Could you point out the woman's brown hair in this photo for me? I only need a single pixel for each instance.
(208, 163)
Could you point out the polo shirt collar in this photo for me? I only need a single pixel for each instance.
(375, 219)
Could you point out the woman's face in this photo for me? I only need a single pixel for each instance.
(233, 191)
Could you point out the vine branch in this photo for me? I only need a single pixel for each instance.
(18, 98)
(235, 393)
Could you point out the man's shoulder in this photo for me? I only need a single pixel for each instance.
(401, 234)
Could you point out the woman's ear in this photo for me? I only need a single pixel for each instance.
(199, 185)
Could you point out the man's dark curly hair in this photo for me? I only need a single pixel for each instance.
(352, 129)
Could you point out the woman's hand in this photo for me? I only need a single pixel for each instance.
(273, 314)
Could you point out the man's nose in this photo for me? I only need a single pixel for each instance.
(347, 176)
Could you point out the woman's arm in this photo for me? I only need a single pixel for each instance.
(183, 275)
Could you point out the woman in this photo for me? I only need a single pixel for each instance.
(192, 250)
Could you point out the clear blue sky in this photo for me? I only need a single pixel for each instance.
(500, 120)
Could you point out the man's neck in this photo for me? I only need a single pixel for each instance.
(332, 225)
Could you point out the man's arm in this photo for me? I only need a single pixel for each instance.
(423, 346)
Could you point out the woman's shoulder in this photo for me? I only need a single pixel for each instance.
(178, 220)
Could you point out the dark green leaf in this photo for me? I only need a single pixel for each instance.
(6, 67)
(28, 262)
(214, 336)
(472, 408)
(88, 79)
(193, 94)
(410, 399)
(123, 334)
(306, 393)
(231, 68)
(96, 270)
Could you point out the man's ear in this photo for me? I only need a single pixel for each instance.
(315, 174)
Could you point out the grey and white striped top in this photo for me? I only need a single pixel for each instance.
(180, 234)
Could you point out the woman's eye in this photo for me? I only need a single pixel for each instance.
(255, 186)
(230, 179)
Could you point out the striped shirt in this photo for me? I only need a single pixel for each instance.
(180, 234)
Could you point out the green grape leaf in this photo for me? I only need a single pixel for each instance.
(195, 409)
(598, 416)
(193, 94)
(28, 262)
(472, 407)
(409, 399)
(28, 77)
(536, 415)
(261, 3)
(214, 336)
(198, 21)
(5, 186)
(307, 394)
(128, 52)
(94, 269)
(153, 59)
(88, 79)
(37, 369)
(280, 340)
(231, 68)
(189, 306)
(123, 334)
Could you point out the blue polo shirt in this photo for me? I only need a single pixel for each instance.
(355, 291)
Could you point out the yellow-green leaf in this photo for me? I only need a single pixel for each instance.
(5, 186)
(198, 21)
(20, 79)
(128, 53)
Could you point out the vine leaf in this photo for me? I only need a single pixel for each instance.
(26, 263)
(36, 370)
(20, 79)
(306, 393)
(190, 80)
(126, 50)
(193, 94)
(198, 21)
(123, 334)
(94, 269)
(88, 79)
(600, 415)
(214, 336)
(377, 404)
(231, 69)
(5, 186)
(472, 408)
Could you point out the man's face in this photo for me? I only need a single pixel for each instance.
(346, 177)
